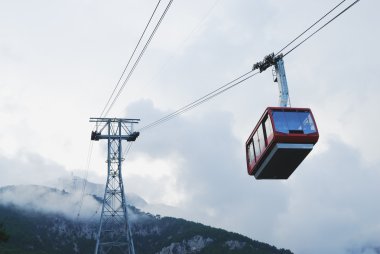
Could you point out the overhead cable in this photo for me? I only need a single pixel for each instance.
(127, 150)
(130, 58)
(244, 77)
(202, 99)
(310, 27)
(108, 105)
(84, 184)
(139, 58)
(319, 29)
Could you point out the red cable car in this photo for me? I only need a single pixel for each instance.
(280, 141)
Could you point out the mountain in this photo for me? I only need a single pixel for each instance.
(74, 184)
(54, 227)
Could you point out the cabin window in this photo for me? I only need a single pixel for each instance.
(293, 122)
(268, 129)
(307, 123)
(256, 145)
(280, 122)
(251, 155)
(261, 138)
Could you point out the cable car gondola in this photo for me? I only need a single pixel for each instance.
(280, 142)
(284, 136)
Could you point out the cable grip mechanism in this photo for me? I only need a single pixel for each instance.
(280, 76)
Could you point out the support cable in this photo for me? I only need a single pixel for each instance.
(130, 58)
(127, 150)
(240, 79)
(84, 184)
(202, 99)
(183, 42)
(139, 58)
(104, 112)
(310, 27)
(319, 29)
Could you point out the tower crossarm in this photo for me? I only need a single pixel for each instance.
(126, 126)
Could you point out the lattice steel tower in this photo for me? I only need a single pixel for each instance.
(114, 235)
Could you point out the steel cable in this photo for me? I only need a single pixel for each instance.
(202, 99)
(231, 84)
(319, 29)
(139, 58)
(130, 58)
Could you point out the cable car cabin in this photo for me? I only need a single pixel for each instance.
(280, 142)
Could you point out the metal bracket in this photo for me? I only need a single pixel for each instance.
(125, 123)
(96, 136)
(278, 63)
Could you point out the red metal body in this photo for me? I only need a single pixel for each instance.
(290, 157)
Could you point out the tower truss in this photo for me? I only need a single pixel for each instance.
(114, 235)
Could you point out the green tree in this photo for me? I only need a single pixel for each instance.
(3, 235)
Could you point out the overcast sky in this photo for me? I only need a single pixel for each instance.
(60, 60)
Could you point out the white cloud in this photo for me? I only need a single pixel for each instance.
(60, 60)
(28, 168)
(332, 205)
(210, 173)
(48, 200)
(331, 194)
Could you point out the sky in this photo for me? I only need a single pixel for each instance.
(60, 60)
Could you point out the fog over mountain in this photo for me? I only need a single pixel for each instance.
(40, 218)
